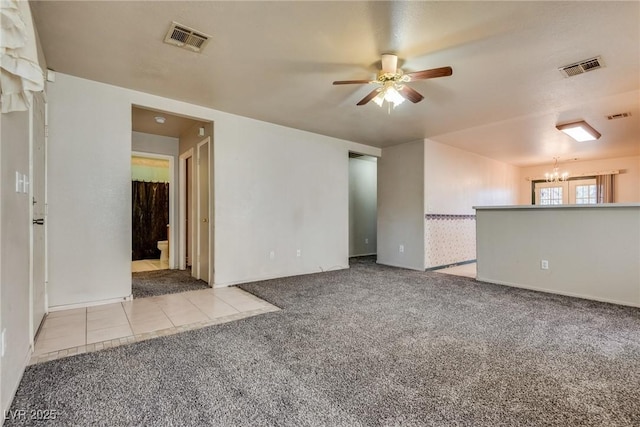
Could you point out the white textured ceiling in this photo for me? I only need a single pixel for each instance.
(275, 61)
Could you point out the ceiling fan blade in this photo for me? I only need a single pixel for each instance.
(369, 97)
(430, 74)
(411, 94)
(351, 82)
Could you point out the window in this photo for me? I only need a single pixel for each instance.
(551, 196)
(586, 194)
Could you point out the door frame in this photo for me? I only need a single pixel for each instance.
(182, 265)
(172, 180)
(32, 330)
(206, 140)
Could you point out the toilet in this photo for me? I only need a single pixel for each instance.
(163, 245)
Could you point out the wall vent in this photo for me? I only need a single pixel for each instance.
(618, 116)
(185, 37)
(581, 67)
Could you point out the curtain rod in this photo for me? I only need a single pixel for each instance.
(578, 175)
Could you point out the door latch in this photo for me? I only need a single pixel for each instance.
(39, 221)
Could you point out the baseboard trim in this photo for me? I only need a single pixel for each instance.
(406, 267)
(553, 291)
(455, 264)
(14, 388)
(271, 277)
(90, 303)
(360, 255)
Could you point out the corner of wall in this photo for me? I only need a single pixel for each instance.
(401, 206)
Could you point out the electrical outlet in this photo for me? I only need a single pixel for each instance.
(401, 249)
(272, 255)
(299, 253)
(544, 264)
(366, 241)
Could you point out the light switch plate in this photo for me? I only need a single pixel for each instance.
(18, 182)
(25, 184)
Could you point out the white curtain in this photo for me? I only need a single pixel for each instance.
(20, 73)
(604, 188)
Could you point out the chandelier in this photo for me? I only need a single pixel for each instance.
(555, 175)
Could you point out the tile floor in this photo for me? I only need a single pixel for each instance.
(148, 265)
(467, 270)
(68, 332)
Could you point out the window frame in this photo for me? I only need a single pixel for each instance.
(567, 185)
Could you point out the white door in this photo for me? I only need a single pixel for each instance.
(38, 212)
(202, 258)
(582, 191)
(551, 193)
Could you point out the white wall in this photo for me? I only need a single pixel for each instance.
(401, 205)
(363, 200)
(89, 192)
(627, 183)
(156, 144)
(280, 190)
(455, 181)
(14, 253)
(593, 251)
(276, 189)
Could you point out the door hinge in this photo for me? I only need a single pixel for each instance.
(46, 131)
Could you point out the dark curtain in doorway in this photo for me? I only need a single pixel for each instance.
(150, 218)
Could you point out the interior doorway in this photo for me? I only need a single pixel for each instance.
(196, 228)
(151, 206)
(363, 205)
(188, 142)
(187, 185)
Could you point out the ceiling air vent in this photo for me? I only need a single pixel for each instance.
(185, 37)
(581, 67)
(618, 116)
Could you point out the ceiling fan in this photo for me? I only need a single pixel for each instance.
(391, 82)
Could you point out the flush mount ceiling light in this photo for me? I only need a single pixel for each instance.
(580, 131)
(160, 119)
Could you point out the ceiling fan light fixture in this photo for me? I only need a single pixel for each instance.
(390, 83)
(390, 94)
(580, 131)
